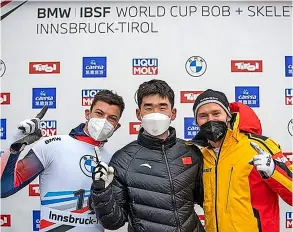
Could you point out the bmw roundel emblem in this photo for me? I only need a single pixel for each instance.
(2, 68)
(196, 66)
(87, 164)
(290, 127)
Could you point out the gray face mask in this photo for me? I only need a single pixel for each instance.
(100, 129)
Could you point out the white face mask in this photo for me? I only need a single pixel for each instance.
(100, 129)
(155, 123)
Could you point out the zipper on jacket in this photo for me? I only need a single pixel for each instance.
(216, 172)
(229, 187)
(172, 188)
(216, 194)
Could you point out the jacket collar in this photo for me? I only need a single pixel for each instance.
(79, 134)
(155, 143)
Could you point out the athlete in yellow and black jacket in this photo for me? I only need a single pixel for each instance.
(241, 186)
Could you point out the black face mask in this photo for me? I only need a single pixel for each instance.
(214, 130)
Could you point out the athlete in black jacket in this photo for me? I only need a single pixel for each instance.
(157, 178)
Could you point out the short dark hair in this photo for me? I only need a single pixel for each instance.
(109, 97)
(154, 87)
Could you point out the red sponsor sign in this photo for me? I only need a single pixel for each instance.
(189, 96)
(34, 190)
(246, 65)
(44, 67)
(5, 220)
(134, 127)
(4, 98)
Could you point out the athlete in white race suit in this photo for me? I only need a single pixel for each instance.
(64, 164)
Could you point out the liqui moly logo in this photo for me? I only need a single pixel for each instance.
(289, 216)
(87, 96)
(48, 127)
(145, 66)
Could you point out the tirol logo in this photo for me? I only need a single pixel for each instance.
(145, 66)
(95, 67)
(87, 164)
(134, 127)
(3, 128)
(36, 220)
(290, 127)
(87, 96)
(5, 220)
(288, 66)
(44, 96)
(34, 190)
(44, 67)
(48, 127)
(196, 66)
(189, 96)
(288, 96)
(248, 95)
(190, 128)
(289, 216)
(246, 65)
(4, 98)
(2, 68)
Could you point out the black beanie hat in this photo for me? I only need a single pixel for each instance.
(211, 96)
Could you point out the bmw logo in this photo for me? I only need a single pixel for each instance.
(87, 164)
(196, 66)
(290, 127)
(2, 68)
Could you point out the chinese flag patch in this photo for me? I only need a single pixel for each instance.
(187, 160)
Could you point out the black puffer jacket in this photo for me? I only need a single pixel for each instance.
(155, 187)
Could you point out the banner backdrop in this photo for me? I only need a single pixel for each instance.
(61, 53)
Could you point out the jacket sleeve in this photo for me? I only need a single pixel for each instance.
(111, 204)
(199, 194)
(281, 180)
(17, 174)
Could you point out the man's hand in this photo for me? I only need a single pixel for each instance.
(103, 174)
(263, 161)
(31, 129)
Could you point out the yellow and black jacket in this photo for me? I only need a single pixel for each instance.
(236, 197)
